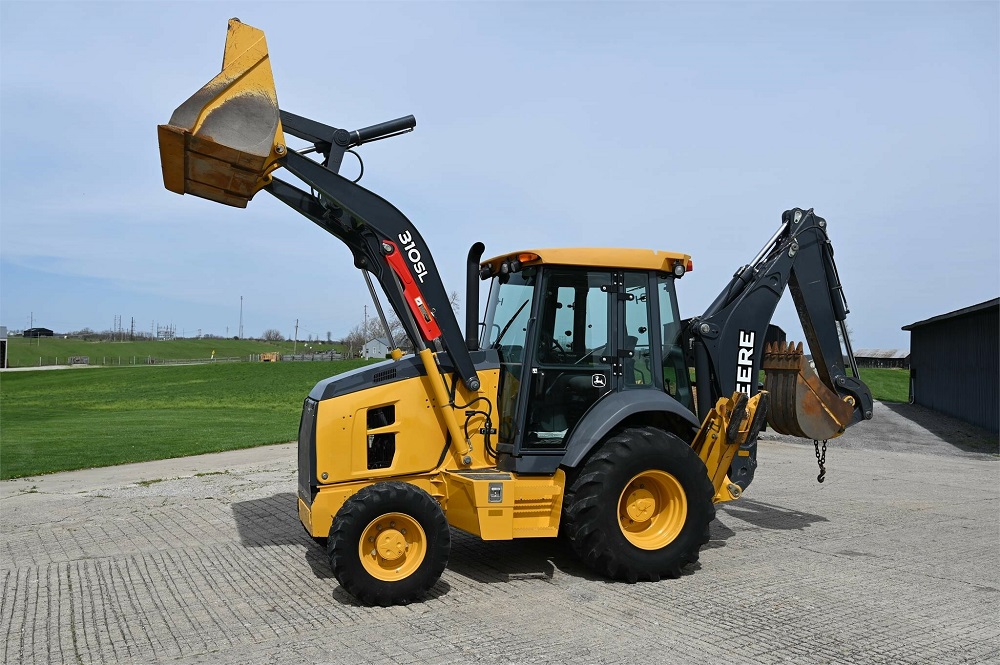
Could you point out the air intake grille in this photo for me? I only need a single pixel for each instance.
(384, 375)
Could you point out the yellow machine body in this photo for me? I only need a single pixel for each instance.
(476, 497)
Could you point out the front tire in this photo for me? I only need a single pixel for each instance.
(389, 544)
(640, 507)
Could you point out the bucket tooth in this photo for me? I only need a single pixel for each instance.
(224, 141)
(801, 404)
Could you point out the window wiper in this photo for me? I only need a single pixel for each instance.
(503, 332)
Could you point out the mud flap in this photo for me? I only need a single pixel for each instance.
(801, 404)
(224, 141)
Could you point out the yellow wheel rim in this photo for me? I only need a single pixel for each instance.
(392, 547)
(652, 510)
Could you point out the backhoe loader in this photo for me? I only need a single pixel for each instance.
(580, 403)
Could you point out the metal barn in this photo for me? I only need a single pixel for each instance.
(955, 364)
(882, 358)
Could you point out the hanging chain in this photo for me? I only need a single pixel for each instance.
(821, 460)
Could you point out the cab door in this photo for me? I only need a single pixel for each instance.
(572, 352)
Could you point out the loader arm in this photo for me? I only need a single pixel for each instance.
(227, 140)
(386, 244)
(727, 347)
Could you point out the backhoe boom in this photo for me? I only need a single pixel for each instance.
(727, 341)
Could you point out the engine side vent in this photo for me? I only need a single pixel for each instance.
(384, 375)
(383, 416)
(382, 446)
(381, 450)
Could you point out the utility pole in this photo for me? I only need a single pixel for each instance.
(241, 317)
(295, 340)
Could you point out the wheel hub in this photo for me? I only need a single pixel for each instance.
(640, 505)
(652, 509)
(391, 545)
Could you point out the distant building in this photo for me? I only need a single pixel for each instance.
(883, 358)
(375, 348)
(37, 332)
(3, 347)
(955, 364)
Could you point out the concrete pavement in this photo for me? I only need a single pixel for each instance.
(892, 560)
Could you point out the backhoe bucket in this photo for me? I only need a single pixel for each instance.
(801, 404)
(223, 142)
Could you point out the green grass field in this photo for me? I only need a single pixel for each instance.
(888, 385)
(30, 352)
(81, 418)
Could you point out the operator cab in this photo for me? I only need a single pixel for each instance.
(571, 327)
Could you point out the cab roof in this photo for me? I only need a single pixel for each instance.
(595, 257)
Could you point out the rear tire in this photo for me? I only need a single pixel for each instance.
(640, 507)
(389, 544)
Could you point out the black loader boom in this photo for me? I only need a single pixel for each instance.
(727, 348)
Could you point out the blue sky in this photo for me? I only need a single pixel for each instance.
(687, 127)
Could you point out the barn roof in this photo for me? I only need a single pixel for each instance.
(958, 312)
(901, 354)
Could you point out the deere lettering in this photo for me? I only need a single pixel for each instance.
(744, 363)
(413, 254)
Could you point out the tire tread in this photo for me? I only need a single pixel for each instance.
(588, 498)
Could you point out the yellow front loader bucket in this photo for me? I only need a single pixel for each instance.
(801, 404)
(223, 142)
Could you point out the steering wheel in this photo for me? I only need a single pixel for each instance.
(550, 349)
